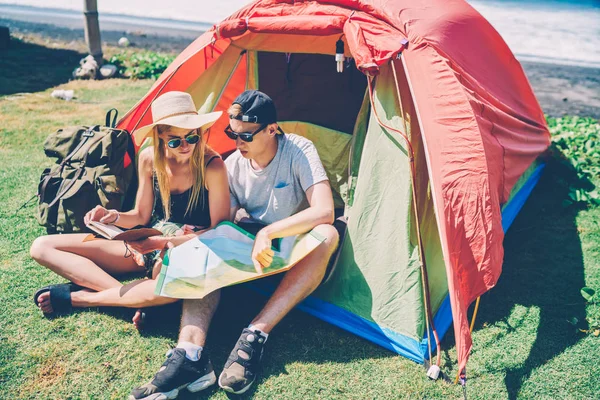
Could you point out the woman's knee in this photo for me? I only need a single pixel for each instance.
(156, 269)
(40, 247)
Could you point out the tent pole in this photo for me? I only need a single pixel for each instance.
(427, 294)
(425, 280)
(424, 288)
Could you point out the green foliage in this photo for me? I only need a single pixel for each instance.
(593, 322)
(141, 65)
(575, 142)
(588, 293)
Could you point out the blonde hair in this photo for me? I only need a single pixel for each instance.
(160, 168)
(235, 110)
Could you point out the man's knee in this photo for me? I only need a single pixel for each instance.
(39, 247)
(318, 260)
(331, 234)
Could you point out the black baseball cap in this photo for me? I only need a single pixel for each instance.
(257, 107)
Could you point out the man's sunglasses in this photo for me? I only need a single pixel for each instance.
(175, 143)
(245, 136)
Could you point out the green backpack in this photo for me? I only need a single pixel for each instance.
(89, 171)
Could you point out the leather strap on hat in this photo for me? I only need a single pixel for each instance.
(175, 114)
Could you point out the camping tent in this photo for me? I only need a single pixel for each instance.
(430, 137)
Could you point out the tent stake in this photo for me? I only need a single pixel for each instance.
(470, 330)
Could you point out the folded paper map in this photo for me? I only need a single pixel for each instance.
(222, 257)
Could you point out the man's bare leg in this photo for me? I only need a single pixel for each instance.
(186, 366)
(196, 317)
(296, 285)
(298, 282)
(239, 371)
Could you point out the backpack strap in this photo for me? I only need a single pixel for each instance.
(26, 203)
(113, 123)
(45, 184)
(70, 184)
(89, 133)
(80, 170)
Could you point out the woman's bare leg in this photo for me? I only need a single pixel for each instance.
(135, 294)
(132, 295)
(138, 319)
(89, 264)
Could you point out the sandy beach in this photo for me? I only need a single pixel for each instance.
(560, 89)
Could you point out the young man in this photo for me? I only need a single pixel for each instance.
(279, 180)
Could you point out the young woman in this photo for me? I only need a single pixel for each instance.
(182, 191)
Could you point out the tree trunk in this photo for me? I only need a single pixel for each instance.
(92, 29)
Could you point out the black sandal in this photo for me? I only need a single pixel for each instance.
(60, 298)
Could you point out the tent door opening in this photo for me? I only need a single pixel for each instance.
(315, 101)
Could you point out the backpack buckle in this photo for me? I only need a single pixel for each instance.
(90, 131)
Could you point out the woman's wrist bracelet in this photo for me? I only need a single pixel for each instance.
(116, 219)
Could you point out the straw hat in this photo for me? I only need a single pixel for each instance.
(176, 109)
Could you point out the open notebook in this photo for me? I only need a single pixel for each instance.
(112, 232)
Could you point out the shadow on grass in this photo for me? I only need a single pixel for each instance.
(298, 338)
(543, 268)
(27, 67)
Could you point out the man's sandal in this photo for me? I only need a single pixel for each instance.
(60, 298)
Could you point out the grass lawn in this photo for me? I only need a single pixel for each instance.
(524, 345)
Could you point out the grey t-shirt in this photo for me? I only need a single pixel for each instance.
(278, 191)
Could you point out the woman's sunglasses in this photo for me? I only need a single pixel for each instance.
(245, 136)
(175, 143)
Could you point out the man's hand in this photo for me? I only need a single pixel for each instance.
(147, 245)
(262, 254)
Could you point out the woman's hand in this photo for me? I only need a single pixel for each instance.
(186, 230)
(147, 245)
(101, 214)
(262, 254)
